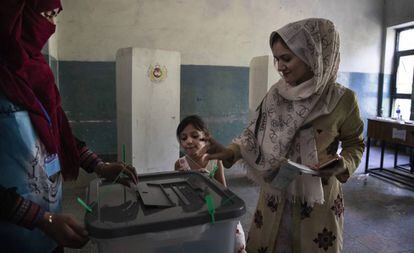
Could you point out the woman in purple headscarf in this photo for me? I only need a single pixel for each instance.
(37, 147)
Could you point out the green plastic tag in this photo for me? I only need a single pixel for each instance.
(210, 207)
(88, 208)
(213, 172)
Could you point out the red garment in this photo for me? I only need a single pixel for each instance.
(27, 80)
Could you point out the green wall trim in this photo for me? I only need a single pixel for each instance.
(219, 94)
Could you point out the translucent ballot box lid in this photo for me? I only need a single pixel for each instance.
(159, 202)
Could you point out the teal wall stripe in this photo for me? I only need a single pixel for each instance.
(88, 97)
(219, 94)
(366, 88)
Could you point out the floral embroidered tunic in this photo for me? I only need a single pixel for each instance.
(298, 227)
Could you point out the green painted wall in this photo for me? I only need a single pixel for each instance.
(219, 94)
(88, 97)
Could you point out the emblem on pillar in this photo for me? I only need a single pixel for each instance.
(157, 73)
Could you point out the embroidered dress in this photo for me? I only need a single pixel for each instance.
(283, 226)
(184, 166)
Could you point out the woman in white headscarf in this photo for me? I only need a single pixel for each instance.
(303, 117)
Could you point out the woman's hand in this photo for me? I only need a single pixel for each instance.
(339, 168)
(112, 171)
(224, 155)
(64, 230)
(213, 149)
(217, 151)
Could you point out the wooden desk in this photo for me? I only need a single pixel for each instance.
(394, 132)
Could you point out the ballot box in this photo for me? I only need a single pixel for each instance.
(166, 212)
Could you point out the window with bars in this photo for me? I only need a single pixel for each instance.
(403, 75)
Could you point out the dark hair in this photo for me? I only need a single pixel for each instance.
(194, 120)
(275, 37)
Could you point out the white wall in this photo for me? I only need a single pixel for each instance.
(53, 46)
(213, 32)
(389, 50)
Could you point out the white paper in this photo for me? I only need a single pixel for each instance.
(288, 172)
(284, 177)
(399, 134)
(302, 168)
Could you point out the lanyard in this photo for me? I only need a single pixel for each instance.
(45, 112)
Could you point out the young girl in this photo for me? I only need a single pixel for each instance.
(193, 136)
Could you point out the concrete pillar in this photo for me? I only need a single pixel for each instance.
(148, 107)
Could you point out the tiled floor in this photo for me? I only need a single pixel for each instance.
(379, 216)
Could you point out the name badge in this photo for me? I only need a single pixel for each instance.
(52, 165)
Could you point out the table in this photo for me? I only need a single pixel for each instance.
(394, 132)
